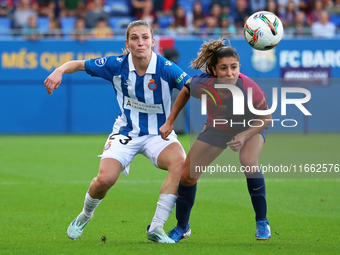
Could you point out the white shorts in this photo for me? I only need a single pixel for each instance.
(124, 148)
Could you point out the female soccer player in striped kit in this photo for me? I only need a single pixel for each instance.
(143, 83)
(221, 64)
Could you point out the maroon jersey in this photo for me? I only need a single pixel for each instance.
(222, 108)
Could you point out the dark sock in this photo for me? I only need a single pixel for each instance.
(257, 192)
(184, 203)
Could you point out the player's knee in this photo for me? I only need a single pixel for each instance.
(248, 161)
(186, 180)
(177, 166)
(249, 165)
(104, 183)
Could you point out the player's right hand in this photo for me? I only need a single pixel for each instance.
(166, 130)
(238, 142)
(53, 81)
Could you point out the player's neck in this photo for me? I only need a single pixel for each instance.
(141, 64)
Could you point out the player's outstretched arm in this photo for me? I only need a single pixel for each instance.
(53, 81)
(181, 101)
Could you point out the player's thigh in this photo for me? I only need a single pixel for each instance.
(109, 170)
(163, 154)
(122, 149)
(172, 158)
(200, 155)
(251, 150)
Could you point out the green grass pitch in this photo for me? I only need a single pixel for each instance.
(43, 181)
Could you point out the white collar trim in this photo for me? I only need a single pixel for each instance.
(151, 67)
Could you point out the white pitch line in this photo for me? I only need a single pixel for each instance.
(203, 180)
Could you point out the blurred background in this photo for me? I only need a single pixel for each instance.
(36, 36)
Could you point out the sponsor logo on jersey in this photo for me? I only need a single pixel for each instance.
(135, 105)
(152, 85)
(100, 62)
(179, 79)
(168, 63)
(119, 59)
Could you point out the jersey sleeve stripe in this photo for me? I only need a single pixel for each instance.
(261, 103)
(166, 95)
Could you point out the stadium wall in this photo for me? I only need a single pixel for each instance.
(84, 104)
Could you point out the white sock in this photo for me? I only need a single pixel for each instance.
(165, 205)
(90, 205)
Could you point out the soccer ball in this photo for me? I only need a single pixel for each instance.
(263, 30)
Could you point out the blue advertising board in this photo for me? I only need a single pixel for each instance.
(83, 104)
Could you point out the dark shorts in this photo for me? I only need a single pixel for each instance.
(220, 138)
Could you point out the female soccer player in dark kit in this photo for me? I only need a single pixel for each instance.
(220, 64)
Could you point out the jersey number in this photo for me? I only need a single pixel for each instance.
(122, 141)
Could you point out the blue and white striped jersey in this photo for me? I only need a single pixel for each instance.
(144, 101)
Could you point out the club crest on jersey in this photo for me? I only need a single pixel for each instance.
(107, 146)
(152, 85)
(100, 62)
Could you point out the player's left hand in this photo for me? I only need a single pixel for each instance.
(238, 142)
(165, 130)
